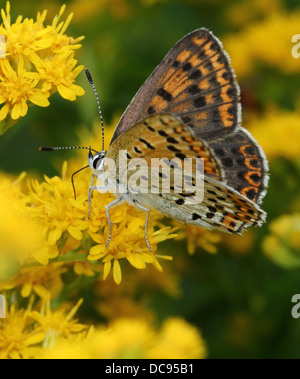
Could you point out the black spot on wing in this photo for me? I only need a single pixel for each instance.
(148, 144)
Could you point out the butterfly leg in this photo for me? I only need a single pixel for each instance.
(146, 223)
(92, 183)
(90, 194)
(107, 207)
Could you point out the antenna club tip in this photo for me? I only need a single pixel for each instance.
(88, 75)
(45, 148)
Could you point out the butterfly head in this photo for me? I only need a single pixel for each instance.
(96, 161)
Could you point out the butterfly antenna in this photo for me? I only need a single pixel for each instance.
(48, 148)
(88, 75)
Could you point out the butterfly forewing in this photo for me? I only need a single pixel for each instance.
(194, 81)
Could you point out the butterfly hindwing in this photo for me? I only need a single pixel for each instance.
(244, 163)
(222, 209)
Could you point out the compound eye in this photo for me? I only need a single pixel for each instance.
(96, 161)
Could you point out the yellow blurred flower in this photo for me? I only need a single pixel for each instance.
(282, 245)
(57, 323)
(25, 333)
(45, 281)
(133, 339)
(36, 61)
(278, 132)
(199, 237)
(21, 238)
(178, 340)
(243, 12)
(87, 268)
(121, 301)
(267, 41)
(18, 338)
(85, 9)
(150, 3)
(239, 245)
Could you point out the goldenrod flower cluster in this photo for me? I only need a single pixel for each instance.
(55, 227)
(133, 338)
(278, 131)
(36, 60)
(267, 41)
(52, 334)
(283, 243)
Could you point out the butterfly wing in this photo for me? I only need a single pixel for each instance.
(195, 82)
(244, 163)
(165, 136)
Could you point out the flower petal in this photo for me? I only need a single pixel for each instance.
(39, 99)
(136, 261)
(4, 111)
(106, 270)
(75, 233)
(117, 272)
(54, 236)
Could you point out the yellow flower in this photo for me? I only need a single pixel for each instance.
(56, 323)
(18, 338)
(52, 205)
(36, 61)
(267, 41)
(244, 12)
(87, 268)
(21, 238)
(127, 338)
(178, 340)
(199, 237)
(57, 74)
(128, 238)
(45, 281)
(25, 333)
(17, 88)
(239, 245)
(275, 139)
(85, 9)
(282, 245)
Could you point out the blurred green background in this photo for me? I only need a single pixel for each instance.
(239, 298)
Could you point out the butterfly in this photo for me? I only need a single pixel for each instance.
(190, 108)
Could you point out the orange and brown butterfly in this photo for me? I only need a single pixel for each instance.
(189, 107)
